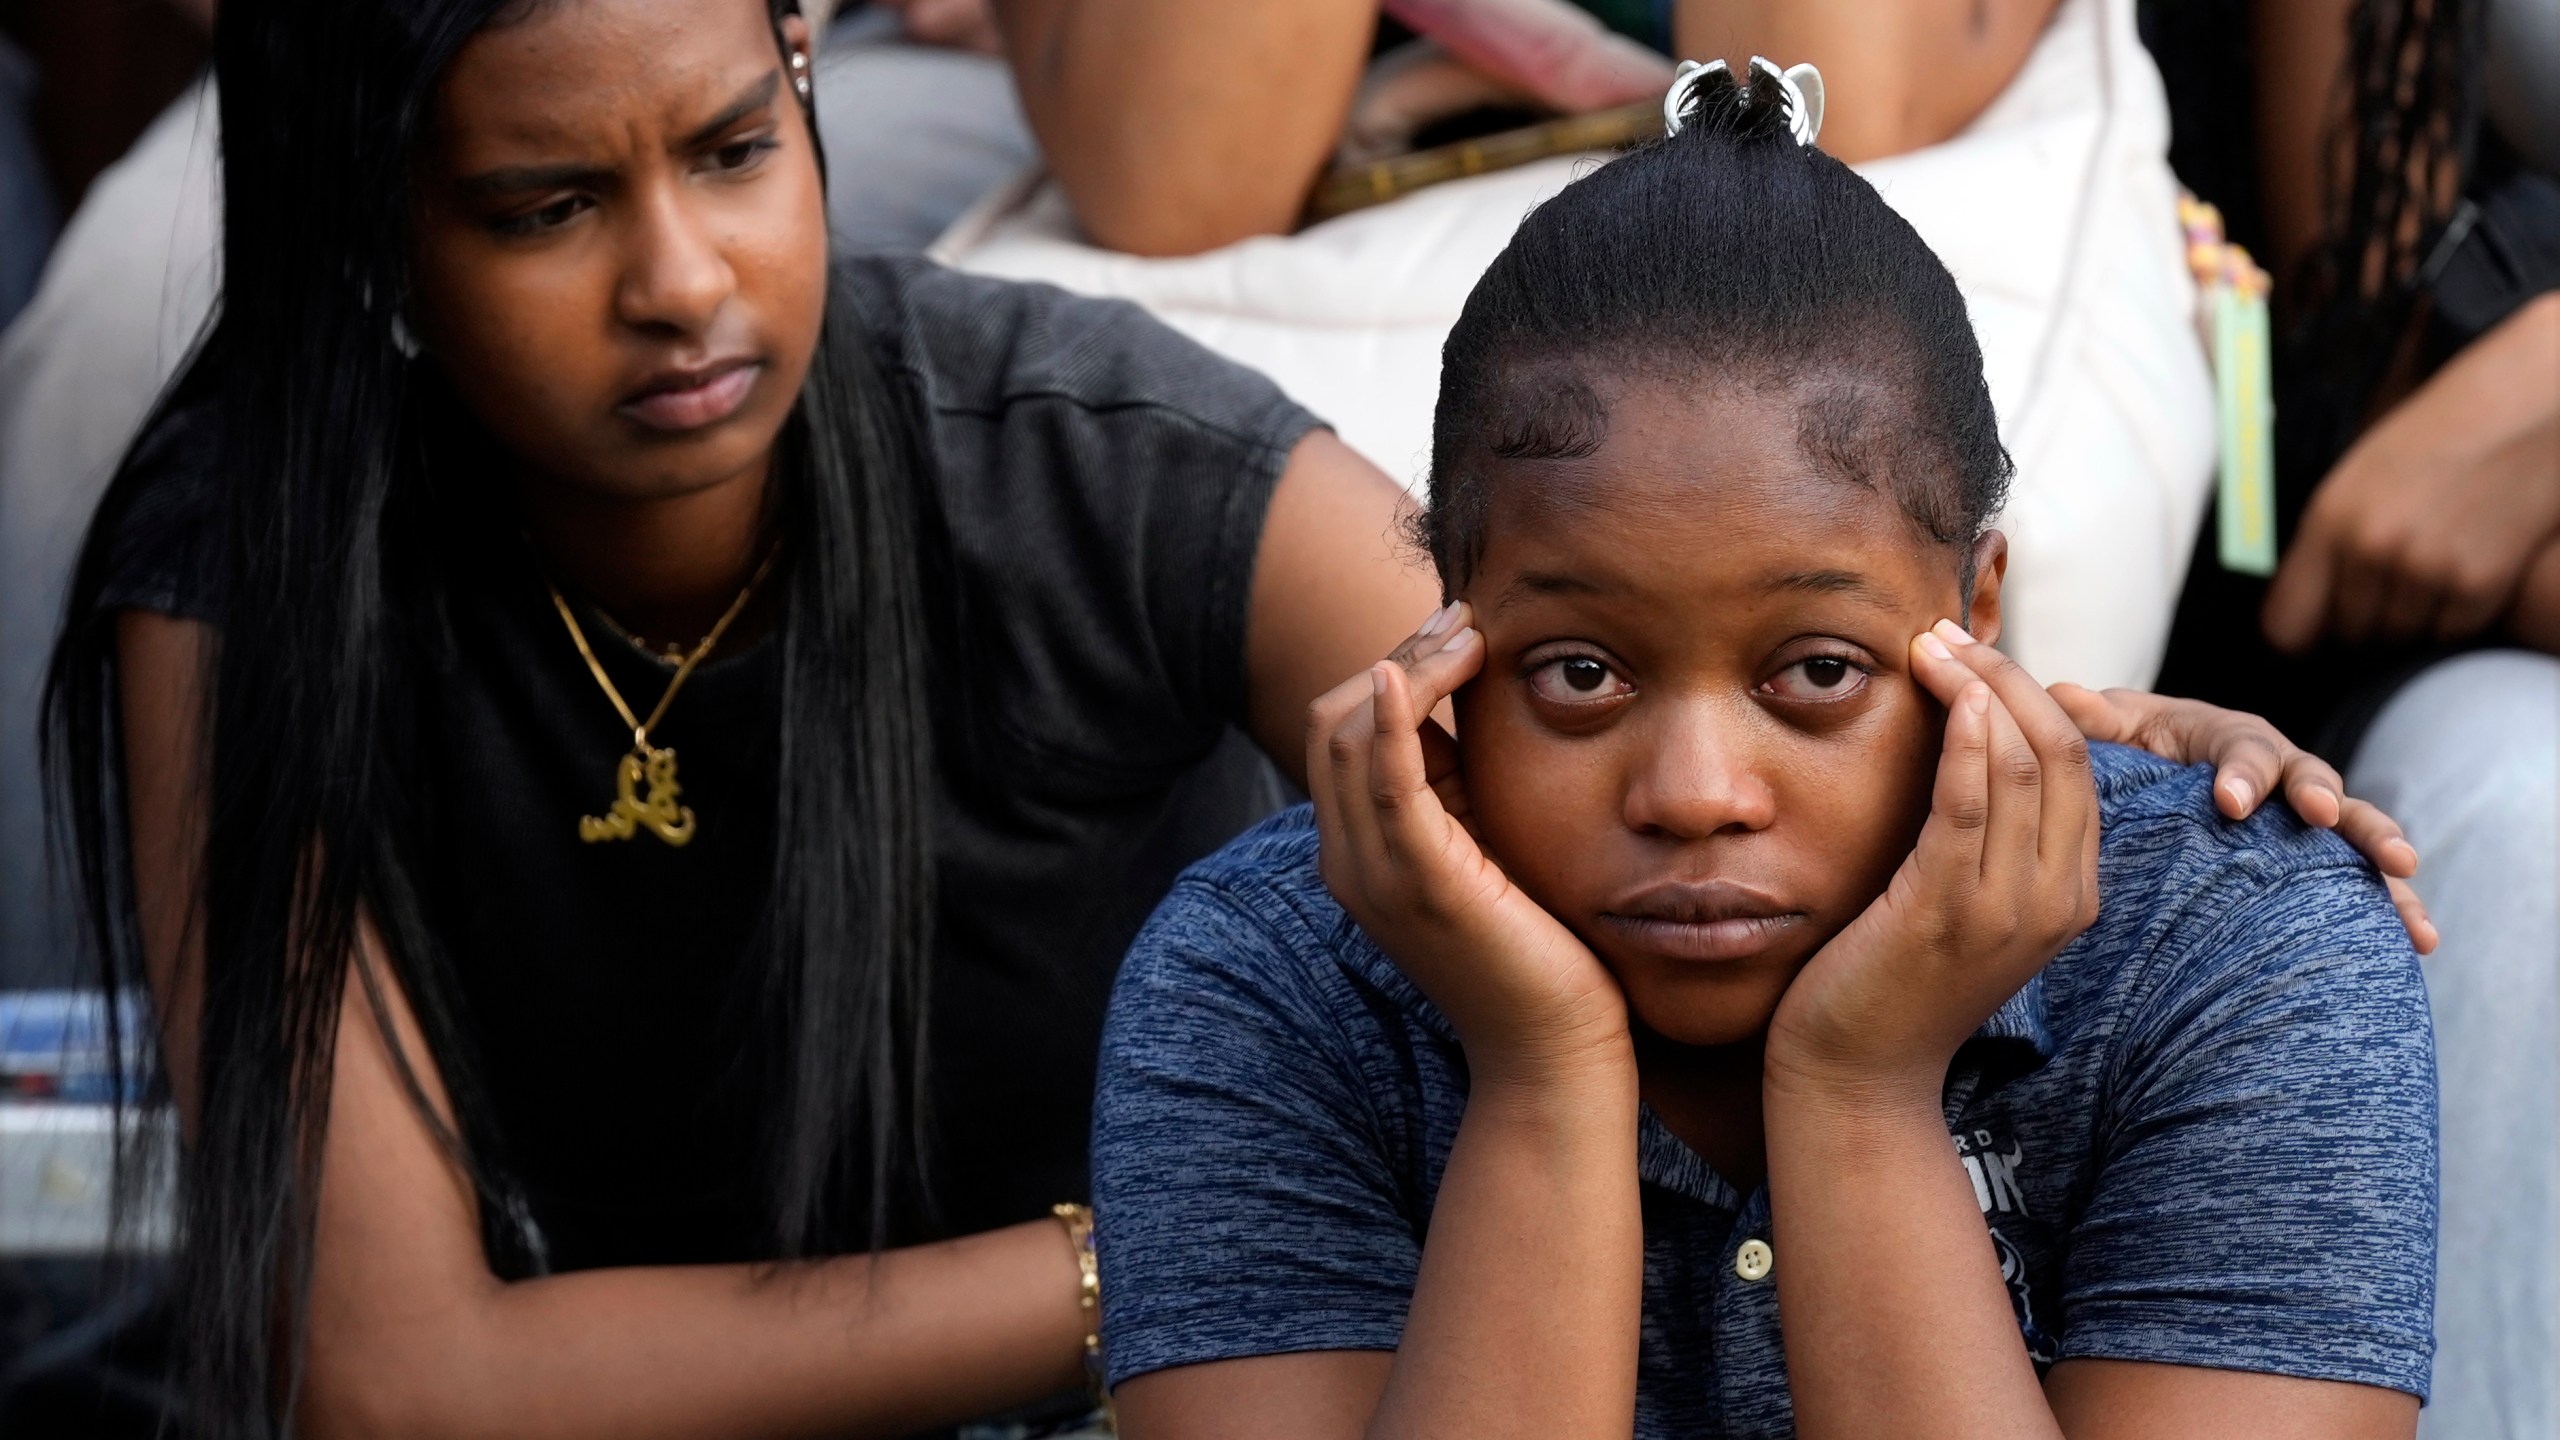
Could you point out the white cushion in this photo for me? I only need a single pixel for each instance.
(2055, 210)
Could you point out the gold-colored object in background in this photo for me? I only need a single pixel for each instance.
(1346, 188)
(652, 765)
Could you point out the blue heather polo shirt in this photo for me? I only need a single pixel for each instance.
(2204, 1135)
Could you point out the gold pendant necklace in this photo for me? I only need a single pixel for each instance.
(653, 766)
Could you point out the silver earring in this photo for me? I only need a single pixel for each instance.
(403, 339)
(800, 73)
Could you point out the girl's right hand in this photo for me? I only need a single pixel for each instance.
(2004, 874)
(1526, 997)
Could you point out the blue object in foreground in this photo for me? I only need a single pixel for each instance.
(54, 1045)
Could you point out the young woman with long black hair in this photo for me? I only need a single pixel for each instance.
(626, 752)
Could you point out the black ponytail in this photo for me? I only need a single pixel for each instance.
(1725, 253)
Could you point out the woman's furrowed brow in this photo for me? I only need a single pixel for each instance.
(520, 179)
(757, 96)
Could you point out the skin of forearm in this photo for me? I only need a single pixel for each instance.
(410, 1335)
(1177, 128)
(1528, 1308)
(854, 1346)
(1896, 77)
(1895, 1316)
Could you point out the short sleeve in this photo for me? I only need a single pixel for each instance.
(161, 521)
(2266, 1199)
(1244, 1200)
(1102, 482)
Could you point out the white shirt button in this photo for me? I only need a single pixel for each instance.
(1753, 1260)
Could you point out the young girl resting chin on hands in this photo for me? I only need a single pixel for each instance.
(1768, 1016)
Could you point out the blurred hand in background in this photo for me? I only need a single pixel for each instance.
(2444, 519)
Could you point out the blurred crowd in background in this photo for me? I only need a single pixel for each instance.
(1313, 187)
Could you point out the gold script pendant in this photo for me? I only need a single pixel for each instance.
(659, 814)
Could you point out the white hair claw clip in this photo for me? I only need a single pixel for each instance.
(1801, 85)
(1682, 102)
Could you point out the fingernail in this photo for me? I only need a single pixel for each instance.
(2243, 794)
(1935, 646)
(1979, 701)
(1440, 619)
(1378, 682)
(1955, 633)
(1464, 638)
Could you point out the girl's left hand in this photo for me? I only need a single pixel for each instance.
(2005, 873)
(2252, 761)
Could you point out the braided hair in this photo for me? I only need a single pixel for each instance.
(2396, 171)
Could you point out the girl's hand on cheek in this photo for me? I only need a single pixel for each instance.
(2004, 875)
(1529, 1001)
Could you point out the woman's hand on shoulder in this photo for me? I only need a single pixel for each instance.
(2005, 873)
(1528, 999)
(2253, 760)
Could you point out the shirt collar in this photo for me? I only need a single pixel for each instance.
(2012, 1043)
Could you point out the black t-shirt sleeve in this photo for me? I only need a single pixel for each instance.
(1100, 483)
(1103, 483)
(163, 518)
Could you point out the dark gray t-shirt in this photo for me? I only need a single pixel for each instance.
(1093, 493)
(2203, 1135)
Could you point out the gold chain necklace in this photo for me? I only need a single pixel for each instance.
(647, 764)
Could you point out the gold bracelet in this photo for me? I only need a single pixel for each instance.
(1079, 1222)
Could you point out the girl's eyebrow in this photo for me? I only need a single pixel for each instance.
(1846, 583)
(1532, 584)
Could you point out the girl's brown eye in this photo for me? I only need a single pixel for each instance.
(1577, 680)
(1818, 677)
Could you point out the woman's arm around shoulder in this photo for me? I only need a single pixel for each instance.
(1335, 586)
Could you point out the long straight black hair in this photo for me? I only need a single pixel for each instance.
(324, 432)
